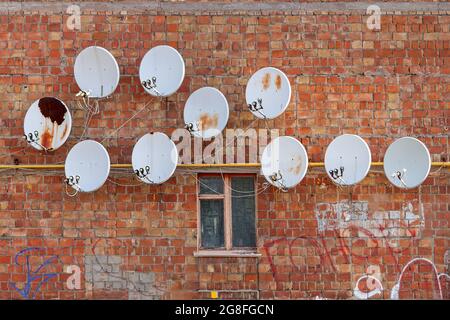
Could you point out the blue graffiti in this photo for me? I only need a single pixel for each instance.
(33, 275)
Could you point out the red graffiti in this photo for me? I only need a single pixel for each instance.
(320, 246)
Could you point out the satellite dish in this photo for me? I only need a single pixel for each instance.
(347, 159)
(268, 93)
(96, 72)
(284, 162)
(206, 112)
(162, 71)
(47, 124)
(87, 166)
(154, 158)
(407, 163)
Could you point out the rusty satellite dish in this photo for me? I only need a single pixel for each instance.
(206, 112)
(347, 159)
(162, 71)
(87, 166)
(154, 158)
(268, 93)
(96, 72)
(284, 162)
(47, 124)
(407, 163)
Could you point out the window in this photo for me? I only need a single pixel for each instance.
(227, 209)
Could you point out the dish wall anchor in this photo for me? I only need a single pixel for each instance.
(86, 103)
(277, 178)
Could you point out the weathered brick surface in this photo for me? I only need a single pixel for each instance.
(317, 240)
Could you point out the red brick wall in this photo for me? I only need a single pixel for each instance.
(138, 241)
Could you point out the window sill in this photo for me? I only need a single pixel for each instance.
(226, 254)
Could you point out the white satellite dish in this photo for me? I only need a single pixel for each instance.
(407, 163)
(47, 124)
(268, 93)
(154, 158)
(206, 112)
(347, 159)
(162, 71)
(96, 72)
(87, 166)
(284, 162)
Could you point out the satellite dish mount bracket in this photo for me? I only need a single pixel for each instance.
(277, 177)
(85, 95)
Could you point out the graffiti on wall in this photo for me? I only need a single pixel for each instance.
(40, 269)
(328, 249)
(102, 271)
(349, 233)
(373, 284)
(36, 276)
(372, 278)
(395, 292)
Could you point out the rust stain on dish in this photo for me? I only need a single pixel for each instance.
(64, 132)
(278, 82)
(266, 81)
(47, 139)
(54, 112)
(208, 122)
(297, 166)
(52, 108)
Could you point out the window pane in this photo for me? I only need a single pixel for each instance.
(243, 212)
(211, 185)
(212, 223)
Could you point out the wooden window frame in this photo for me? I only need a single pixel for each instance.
(228, 250)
